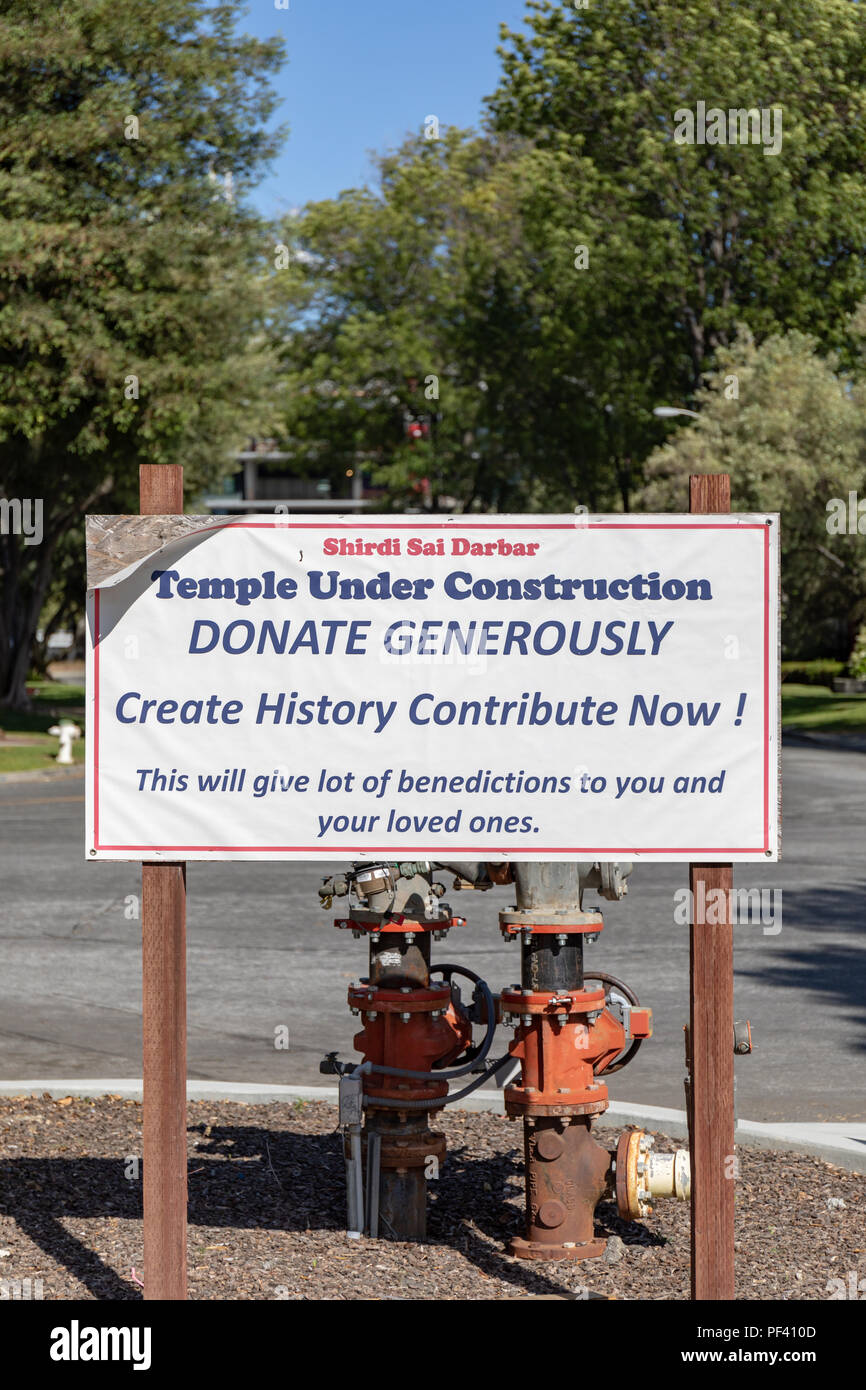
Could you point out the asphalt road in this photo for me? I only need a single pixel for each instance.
(263, 954)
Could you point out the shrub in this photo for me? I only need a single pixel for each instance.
(818, 672)
(857, 659)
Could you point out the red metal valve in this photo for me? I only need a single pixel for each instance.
(410, 1029)
(564, 1041)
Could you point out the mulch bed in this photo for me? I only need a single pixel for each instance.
(267, 1206)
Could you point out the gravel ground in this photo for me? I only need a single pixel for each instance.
(267, 1199)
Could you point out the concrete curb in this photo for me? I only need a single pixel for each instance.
(838, 1143)
(844, 743)
(48, 774)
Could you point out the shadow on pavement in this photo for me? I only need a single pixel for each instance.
(836, 973)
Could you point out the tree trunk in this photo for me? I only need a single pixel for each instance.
(21, 619)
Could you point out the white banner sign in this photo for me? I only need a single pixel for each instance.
(512, 687)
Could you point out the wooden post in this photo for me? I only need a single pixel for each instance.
(711, 1037)
(163, 928)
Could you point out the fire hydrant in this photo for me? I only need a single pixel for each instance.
(67, 732)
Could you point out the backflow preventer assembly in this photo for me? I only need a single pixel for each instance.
(572, 1029)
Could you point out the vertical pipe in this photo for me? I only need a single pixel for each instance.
(374, 1152)
(357, 1181)
(565, 1167)
(353, 1221)
(401, 1198)
(163, 928)
(711, 1017)
(402, 1191)
(547, 965)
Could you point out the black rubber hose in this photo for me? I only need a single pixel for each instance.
(472, 1053)
(443, 1100)
(481, 1053)
(632, 998)
(457, 1071)
(617, 984)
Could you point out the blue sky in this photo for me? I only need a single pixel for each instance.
(361, 73)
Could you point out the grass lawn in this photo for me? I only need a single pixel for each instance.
(36, 756)
(817, 707)
(50, 703)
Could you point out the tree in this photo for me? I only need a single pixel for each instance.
(581, 258)
(424, 298)
(132, 274)
(685, 240)
(788, 427)
(410, 305)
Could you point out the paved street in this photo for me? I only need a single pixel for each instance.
(262, 953)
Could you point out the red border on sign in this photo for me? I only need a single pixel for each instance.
(495, 853)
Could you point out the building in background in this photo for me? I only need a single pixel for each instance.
(264, 479)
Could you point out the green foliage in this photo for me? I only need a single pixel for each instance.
(700, 252)
(443, 272)
(463, 263)
(792, 440)
(688, 239)
(818, 672)
(415, 302)
(132, 287)
(857, 659)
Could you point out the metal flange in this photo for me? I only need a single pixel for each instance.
(516, 1106)
(372, 924)
(531, 1250)
(412, 1151)
(550, 1003)
(371, 999)
(514, 923)
(642, 1175)
(628, 1205)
